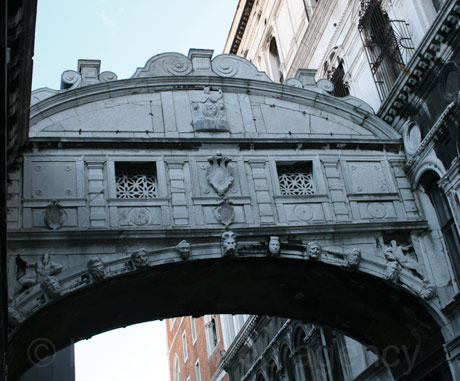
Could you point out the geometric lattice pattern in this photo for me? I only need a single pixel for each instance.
(296, 179)
(136, 180)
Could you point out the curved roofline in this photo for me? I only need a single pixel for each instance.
(312, 97)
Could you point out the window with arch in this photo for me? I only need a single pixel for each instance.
(176, 372)
(212, 333)
(334, 71)
(302, 357)
(274, 60)
(273, 371)
(438, 199)
(287, 365)
(260, 377)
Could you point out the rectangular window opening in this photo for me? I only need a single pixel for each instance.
(295, 179)
(136, 180)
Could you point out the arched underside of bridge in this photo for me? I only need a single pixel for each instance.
(392, 322)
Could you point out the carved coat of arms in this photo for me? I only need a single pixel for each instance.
(219, 175)
(54, 215)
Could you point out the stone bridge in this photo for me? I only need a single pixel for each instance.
(200, 186)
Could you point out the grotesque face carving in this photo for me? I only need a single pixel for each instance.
(228, 241)
(392, 270)
(52, 287)
(274, 245)
(183, 248)
(96, 269)
(314, 249)
(139, 258)
(353, 258)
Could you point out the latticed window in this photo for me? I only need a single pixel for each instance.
(136, 180)
(296, 179)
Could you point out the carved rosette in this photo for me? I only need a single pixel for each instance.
(219, 175)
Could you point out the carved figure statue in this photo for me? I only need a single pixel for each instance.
(313, 249)
(209, 111)
(212, 103)
(405, 256)
(183, 248)
(52, 287)
(228, 243)
(353, 258)
(392, 270)
(274, 245)
(140, 258)
(96, 269)
(42, 270)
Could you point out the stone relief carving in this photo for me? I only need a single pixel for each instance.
(52, 287)
(428, 291)
(225, 213)
(139, 216)
(184, 249)
(15, 317)
(313, 250)
(228, 244)
(353, 258)
(165, 64)
(405, 256)
(274, 246)
(54, 215)
(96, 269)
(139, 259)
(392, 270)
(208, 112)
(219, 175)
(42, 270)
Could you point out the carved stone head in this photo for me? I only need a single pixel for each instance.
(274, 245)
(96, 268)
(51, 286)
(428, 291)
(313, 249)
(140, 258)
(228, 242)
(392, 270)
(353, 258)
(183, 248)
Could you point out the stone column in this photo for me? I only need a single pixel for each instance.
(262, 190)
(336, 188)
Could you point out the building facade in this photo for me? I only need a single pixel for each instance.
(403, 59)
(200, 185)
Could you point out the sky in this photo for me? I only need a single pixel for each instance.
(123, 35)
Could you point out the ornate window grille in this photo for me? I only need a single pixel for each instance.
(387, 43)
(136, 180)
(296, 179)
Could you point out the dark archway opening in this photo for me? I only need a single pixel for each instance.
(393, 323)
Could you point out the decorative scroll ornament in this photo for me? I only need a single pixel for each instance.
(96, 269)
(184, 249)
(225, 213)
(140, 259)
(228, 244)
(219, 175)
(209, 113)
(54, 215)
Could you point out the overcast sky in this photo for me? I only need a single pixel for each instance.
(123, 35)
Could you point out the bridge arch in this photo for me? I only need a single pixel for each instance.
(199, 186)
